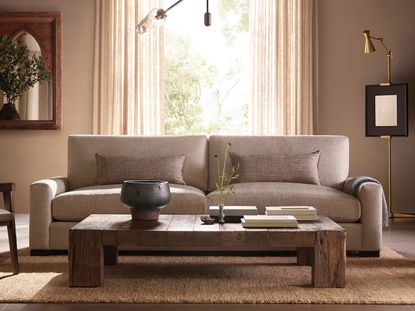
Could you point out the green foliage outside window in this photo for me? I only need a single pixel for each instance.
(189, 76)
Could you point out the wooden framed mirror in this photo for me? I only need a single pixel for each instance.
(38, 107)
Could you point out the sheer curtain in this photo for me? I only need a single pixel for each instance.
(128, 95)
(281, 67)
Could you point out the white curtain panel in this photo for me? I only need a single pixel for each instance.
(128, 93)
(281, 34)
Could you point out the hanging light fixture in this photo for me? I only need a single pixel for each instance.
(157, 17)
(208, 17)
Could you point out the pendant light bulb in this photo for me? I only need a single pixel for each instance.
(155, 18)
(208, 17)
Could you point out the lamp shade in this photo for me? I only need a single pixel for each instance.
(369, 47)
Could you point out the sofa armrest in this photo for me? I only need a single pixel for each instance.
(42, 192)
(370, 196)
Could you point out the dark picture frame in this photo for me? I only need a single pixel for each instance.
(46, 28)
(387, 110)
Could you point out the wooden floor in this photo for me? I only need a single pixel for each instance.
(400, 237)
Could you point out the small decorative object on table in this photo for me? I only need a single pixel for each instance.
(145, 198)
(207, 219)
(224, 181)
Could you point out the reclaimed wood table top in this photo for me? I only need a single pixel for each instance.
(185, 223)
(189, 231)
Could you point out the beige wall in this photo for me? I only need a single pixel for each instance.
(343, 72)
(26, 156)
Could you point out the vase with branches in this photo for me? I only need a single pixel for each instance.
(224, 183)
(19, 71)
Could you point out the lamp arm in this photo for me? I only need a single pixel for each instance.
(388, 52)
(172, 6)
(389, 56)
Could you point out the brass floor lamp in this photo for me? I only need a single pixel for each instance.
(386, 110)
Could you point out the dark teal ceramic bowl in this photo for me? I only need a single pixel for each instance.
(145, 198)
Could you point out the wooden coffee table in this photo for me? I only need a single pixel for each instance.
(95, 242)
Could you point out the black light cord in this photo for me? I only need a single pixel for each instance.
(172, 6)
(208, 18)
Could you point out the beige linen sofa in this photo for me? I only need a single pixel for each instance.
(59, 203)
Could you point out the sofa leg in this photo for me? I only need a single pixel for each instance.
(369, 254)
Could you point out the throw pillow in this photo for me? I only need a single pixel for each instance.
(116, 169)
(296, 168)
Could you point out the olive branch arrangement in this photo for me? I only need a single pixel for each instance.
(223, 179)
(19, 70)
(222, 185)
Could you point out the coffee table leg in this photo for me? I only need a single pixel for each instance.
(86, 260)
(329, 267)
(305, 256)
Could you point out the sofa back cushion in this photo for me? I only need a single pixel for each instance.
(333, 167)
(82, 167)
(116, 169)
(296, 168)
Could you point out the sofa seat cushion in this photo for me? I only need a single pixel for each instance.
(78, 204)
(333, 203)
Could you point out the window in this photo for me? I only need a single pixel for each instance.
(207, 68)
(224, 79)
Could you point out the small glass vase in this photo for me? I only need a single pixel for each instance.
(221, 216)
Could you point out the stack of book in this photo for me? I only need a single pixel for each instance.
(301, 213)
(269, 221)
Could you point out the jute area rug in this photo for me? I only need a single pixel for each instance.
(386, 280)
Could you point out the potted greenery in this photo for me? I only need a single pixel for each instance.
(19, 71)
